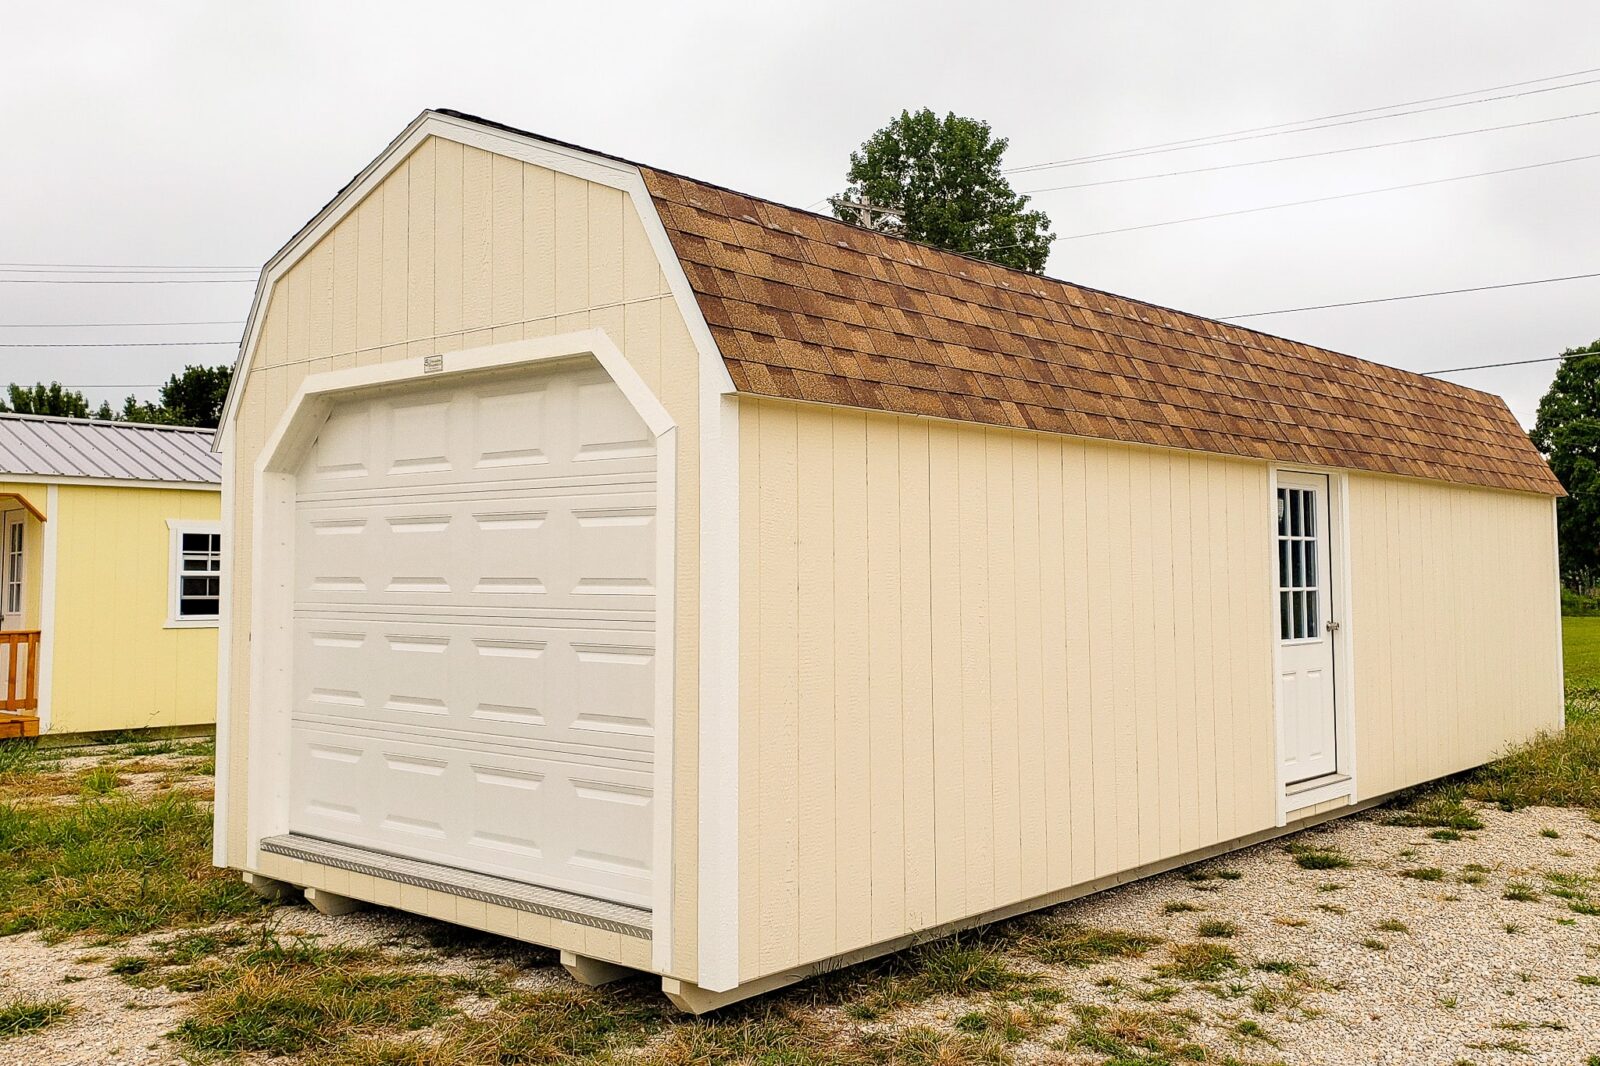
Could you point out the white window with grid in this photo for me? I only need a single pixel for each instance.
(195, 597)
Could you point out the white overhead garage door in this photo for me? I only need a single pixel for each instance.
(475, 630)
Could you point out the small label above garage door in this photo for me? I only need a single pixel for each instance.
(474, 668)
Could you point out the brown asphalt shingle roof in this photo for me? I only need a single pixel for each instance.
(806, 308)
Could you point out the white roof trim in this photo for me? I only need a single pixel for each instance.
(563, 159)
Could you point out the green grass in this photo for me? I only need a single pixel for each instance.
(23, 1014)
(1072, 944)
(255, 992)
(1316, 857)
(1424, 873)
(114, 867)
(1199, 962)
(1216, 929)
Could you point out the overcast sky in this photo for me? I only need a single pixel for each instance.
(205, 134)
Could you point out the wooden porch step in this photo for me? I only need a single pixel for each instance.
(18, 725)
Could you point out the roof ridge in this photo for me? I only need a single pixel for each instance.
(106, 423)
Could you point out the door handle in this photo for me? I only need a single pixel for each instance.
(1331, 626)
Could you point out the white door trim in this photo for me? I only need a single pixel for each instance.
(272, 566)
(1343, 782)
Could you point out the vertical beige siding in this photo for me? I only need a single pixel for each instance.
(459, 248)
(980, 665)
(1454, 626)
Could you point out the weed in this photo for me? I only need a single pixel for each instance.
(1291, 922)
(1512, 928)
(1278, 966)
(1549, 833)
(1391, 925)
(1445, 834)
(1178, 906)
(1374, 944)
(1519, 892)
(1253, 1030)
(1128, 1036)
(1216, 929)
(1441, 808)
(1589, 979)
(1424, 873)
(1199, 962)
(23, 1014)
(1313, 857)
(1331, 908)
(1072, 944)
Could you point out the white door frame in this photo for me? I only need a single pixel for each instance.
(272, 581)
(1343, 784)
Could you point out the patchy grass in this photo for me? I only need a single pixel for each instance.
(1519, 892)
(23, 1014)
(1178, 906)
(1216, 929)
(1391, 925)
(1135, 1036)
(1199, 962)
(1440, 808)
(1423, 873)
(963, 965)
(1316, 857)
(113, 866)
(282, 998)
(100, 781)
(1071, 944)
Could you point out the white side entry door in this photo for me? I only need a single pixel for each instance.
(1304, 630)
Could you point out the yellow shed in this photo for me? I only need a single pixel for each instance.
(705, 587)
(110, 567)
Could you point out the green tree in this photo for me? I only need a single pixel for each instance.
(939, 181)
(52, 399)
(1567, 431)
(193, 397)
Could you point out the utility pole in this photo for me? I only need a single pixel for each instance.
(868, 215)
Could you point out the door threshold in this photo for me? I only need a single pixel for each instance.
(502, 892)
(1312, 783)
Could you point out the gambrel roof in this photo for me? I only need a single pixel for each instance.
(803, 307)
(808, 308)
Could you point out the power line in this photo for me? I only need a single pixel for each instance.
(90, 325)
(108, 267)
(1411, 296)
(1310, 155)
(124, 344)
(1258, 132)
(1514, 362)
(127, 281)
(1327, 199)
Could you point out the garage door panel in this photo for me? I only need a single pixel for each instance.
(493, 680)
(474, 642)
(565, 425)
(588, 551)
(584, 827)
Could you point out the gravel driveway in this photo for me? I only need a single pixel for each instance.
(1397, 945)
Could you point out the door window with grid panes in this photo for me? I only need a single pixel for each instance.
(1299, 609)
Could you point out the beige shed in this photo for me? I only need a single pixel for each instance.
(709, 588)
